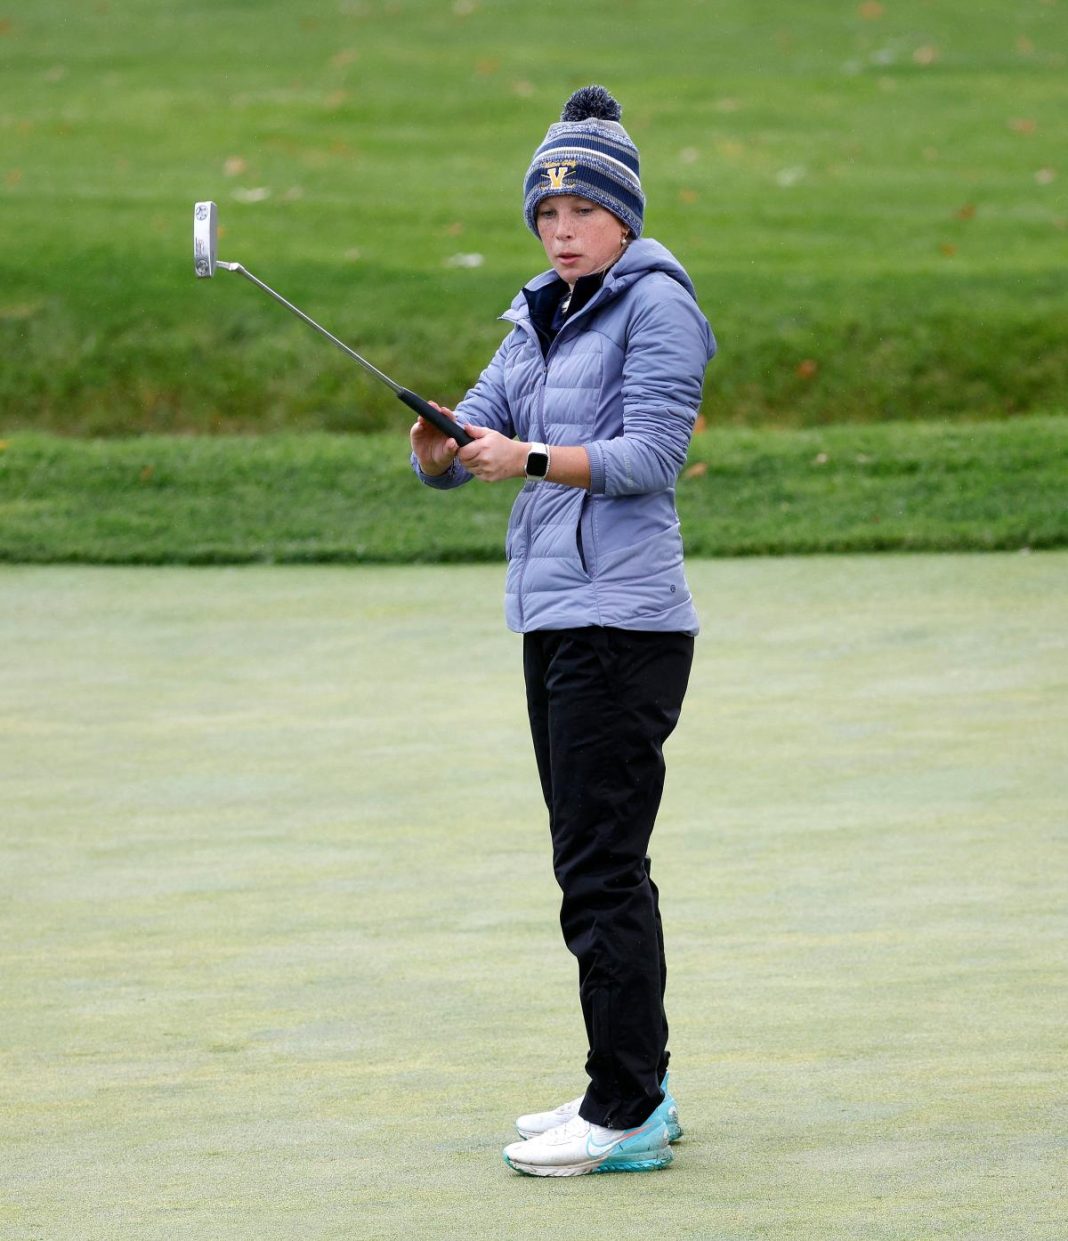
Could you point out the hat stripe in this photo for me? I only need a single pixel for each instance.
(594, 140)
(561, 153)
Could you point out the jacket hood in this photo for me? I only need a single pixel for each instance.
(641, 258)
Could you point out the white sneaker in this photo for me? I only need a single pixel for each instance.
(577, 1147)
(533, 1123)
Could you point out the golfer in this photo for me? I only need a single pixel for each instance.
(592, 398)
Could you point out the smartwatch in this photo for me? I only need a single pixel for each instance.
(537, 462)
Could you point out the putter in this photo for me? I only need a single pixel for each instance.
(206, 260)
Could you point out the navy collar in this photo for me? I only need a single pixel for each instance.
(545, 302)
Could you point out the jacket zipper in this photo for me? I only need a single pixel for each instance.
(527, 517)
(528, 328)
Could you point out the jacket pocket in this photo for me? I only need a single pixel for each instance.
(513, 540)
(584, 536)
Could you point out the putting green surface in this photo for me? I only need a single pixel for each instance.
(278, 936)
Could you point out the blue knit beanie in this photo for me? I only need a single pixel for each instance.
(587, 153)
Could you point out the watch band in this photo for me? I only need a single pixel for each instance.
(537, 465)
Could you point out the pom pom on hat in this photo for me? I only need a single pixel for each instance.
(591, 101)
(587, 153)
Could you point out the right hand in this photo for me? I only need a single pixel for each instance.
(433, 450)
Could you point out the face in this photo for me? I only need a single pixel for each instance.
(579, 236)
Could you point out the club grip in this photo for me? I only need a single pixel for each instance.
(446, 425)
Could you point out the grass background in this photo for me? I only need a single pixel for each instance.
(870, 198)
(280, 952)
(321, 497)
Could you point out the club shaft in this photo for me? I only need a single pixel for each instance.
(372, 370)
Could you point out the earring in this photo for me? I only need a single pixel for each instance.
(623, 240)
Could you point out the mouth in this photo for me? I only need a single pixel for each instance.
(567, 257)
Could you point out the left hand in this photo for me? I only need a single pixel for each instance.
(492, 457)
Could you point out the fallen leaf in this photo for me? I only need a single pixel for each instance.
(948, 249)
(13, 177)
(689, 197)
(698, 470)
(4, 444)
(1024, 45)
(234, 166)
(147, 473)
(689, 155)
(1045, 176)
(455, 228)
(523, 88)
(701, 425)
(346, 56)
(967, 212)
(1023, 125)
(925, 55)
(821, 458)
(808, 368)
(871, 10)
(487, 66)
(5, 25)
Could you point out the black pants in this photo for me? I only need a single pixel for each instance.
(602, 702)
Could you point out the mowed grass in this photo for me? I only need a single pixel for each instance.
(332, 498)
(870, 198)
(278, 930)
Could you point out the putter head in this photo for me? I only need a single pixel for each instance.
(205, 238)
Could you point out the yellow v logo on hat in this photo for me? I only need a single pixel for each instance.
(556, 174)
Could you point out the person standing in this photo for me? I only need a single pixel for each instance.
(592, 397)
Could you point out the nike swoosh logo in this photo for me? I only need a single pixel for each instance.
(595, 1149)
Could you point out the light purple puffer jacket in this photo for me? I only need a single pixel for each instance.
(623, 377)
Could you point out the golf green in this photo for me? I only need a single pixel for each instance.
(278, 929)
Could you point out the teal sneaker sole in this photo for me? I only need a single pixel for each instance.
(653, 1162)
